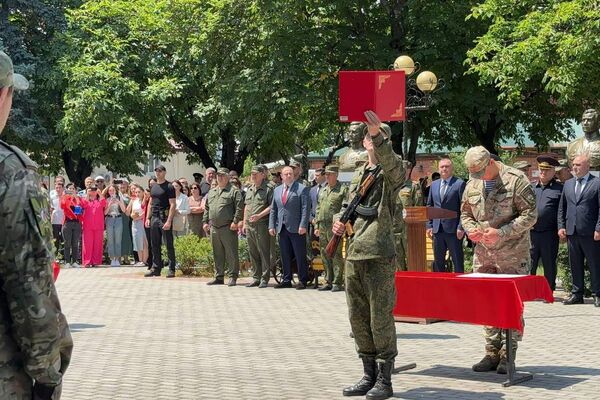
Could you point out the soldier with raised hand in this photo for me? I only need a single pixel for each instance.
(329, 203)
(223, 211)
(370, 271)
(35, 342)
(256, 225)
(498, 210)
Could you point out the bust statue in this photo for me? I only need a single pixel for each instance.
(355, 134)
(590, 142)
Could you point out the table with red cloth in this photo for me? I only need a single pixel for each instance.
(493, 301)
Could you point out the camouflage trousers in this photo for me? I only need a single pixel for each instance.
(334, 267)
(401, 244)
(371, 295)
(501, 260)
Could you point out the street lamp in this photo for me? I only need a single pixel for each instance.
(419, 92)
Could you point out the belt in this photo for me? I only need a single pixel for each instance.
(71, 220)
(114, 216)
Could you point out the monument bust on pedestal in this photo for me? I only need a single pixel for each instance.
(590, 142)
(356, 152)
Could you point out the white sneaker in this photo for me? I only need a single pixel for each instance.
(67, 265)
(115, 263)
(75, 265)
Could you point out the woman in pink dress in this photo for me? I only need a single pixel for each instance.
(93, 227)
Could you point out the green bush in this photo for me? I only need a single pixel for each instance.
(194, 256)
(564, 272)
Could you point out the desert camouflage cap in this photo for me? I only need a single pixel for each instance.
(7, 74)
(521, 165)
(562, 164)
(332, 169)
(223, 171)
(259, 168)
(295, 163)
(477, 159)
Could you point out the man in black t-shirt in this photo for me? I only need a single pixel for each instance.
(159, 220)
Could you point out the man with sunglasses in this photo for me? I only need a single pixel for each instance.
(35, 342)
(498, 210)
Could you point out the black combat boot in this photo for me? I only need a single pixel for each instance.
(487, 363)
(366, 382)
(383, 386)
(503, 364)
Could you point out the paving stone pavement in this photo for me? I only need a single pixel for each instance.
(153, 338)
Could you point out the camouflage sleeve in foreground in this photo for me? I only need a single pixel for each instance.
(525, 204)
(36, 322)
(390, 162)
(467, 219)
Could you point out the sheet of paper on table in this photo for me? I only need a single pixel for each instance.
(479, 275)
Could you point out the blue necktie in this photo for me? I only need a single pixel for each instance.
(444, 188)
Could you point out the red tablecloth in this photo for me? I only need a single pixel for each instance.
(483, 301)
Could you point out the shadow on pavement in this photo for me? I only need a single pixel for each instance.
(81, 327)
(441, 393)
(432, 336)
(545, 377)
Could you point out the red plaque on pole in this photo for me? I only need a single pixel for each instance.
(379, 91)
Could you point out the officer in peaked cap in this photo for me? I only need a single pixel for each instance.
(544, 236)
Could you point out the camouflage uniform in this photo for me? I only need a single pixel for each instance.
(329, 204)
(259, 241)
(370, 272)
(409, 195)
(510, 206)
(223, 207)
(35, 342)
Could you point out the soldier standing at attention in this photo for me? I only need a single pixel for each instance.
(409, 195)
(370, 286)
(256, 225)
(544, 235)
(330, 203)
(223, 211)
(497, 212)
(35, 342)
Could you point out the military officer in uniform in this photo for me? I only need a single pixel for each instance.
(563, 171)
(544, 235)
(329, 203)
(256, 225)
(410, 195)
(223, 212)
(370, 271)
(497, 212)
(35, 342)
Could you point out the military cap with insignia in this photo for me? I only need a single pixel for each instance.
(259, 168)
(547, 162)
(223, 171)
(332, 169)
(295, 164)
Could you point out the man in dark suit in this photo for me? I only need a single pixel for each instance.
(579, 222)
(447, 234)
(544, 236)
(290, 212)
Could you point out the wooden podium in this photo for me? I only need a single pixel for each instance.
(415, 219)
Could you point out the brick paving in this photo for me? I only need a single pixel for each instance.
(140, 338)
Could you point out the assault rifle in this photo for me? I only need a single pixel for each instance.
(348, 215)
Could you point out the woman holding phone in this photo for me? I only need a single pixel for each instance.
(71, 229)
(114, 211)
(93, 227)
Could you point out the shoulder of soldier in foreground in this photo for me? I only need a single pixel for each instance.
(514, 174)
(8, 152)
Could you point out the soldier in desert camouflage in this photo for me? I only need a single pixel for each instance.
(498, 210)
(370, 271)
(35, 342)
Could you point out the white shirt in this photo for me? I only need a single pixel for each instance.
(58, 215)
(584, 182)
(182, 204)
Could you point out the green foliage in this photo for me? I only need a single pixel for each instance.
(194, 256)
(564, 272)
(541, 56)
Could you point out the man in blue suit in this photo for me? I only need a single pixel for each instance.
(447, 234)
(289, 217)
(579, 223)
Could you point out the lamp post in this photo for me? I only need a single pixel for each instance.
(419, 93)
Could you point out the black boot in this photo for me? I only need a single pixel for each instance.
(383, 386)
(366, 382)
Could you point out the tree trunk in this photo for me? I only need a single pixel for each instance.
(77, 168)
(196, 146)
(487, 136)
